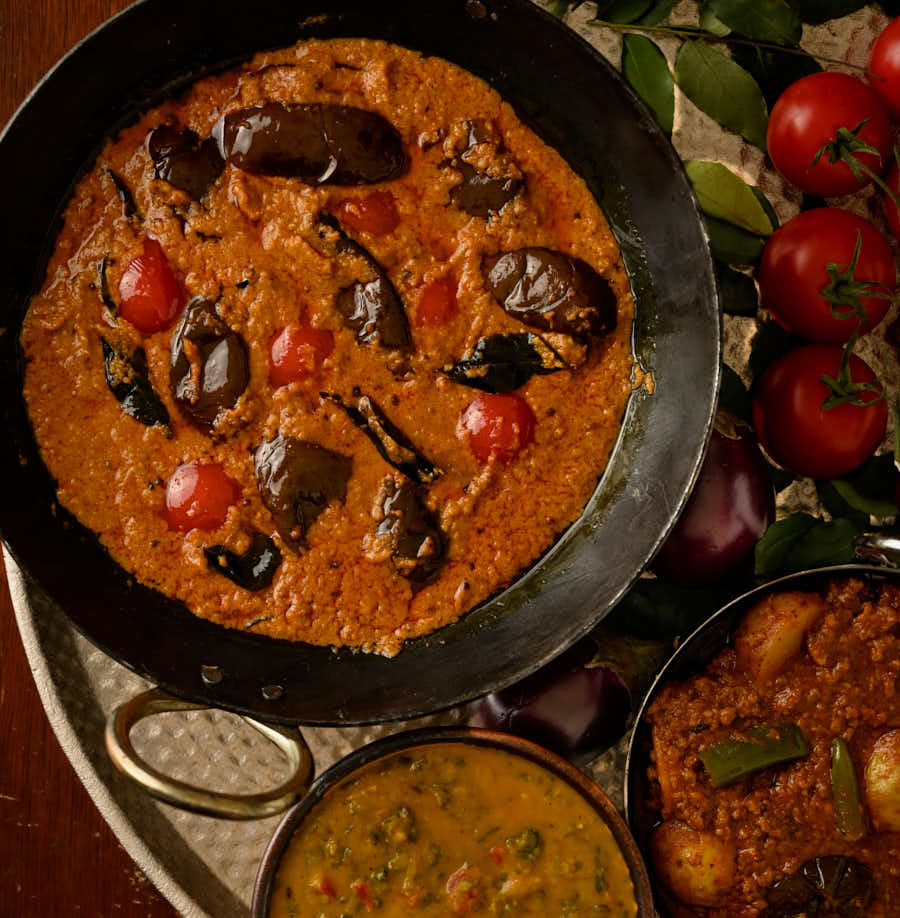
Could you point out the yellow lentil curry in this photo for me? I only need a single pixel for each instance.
(452, 829)
(778, 767)
(331, 347)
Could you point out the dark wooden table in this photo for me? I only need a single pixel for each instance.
(58, 858)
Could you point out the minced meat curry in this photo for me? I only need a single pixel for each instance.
(330, 347)
(778, 768)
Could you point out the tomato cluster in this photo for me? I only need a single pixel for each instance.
(828, 275)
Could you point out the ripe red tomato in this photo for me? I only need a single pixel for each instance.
(794, 272)
(376, 213)
(296, 352)
(809, 114)
(801, 435)
(884, 66)
(437, 303)
(198, 497)
(497, 426)
(149, 295)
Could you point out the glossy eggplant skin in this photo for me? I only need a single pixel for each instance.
(732, 504)
(552, 291)
(254, 569)
(418, 547)
(224, 364)
(370, 307)
(316, 143)
(182, 159)
(483, 195)
(297, 480)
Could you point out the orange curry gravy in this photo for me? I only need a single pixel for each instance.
(254, 247)
(818, 832)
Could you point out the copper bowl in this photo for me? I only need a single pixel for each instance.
(382, 748)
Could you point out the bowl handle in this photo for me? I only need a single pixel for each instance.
(879, 547)
(196, 799)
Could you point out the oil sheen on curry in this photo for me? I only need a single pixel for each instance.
(331, 347)
(453, 829)
(778, 768)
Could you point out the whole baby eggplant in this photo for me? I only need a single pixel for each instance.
(316, 143)
(732, 504)
(209, 364)
(297, 480)
(552, 291)
(579, 703)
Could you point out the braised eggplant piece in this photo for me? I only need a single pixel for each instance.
(830, 887)
(316, 143)
(418, 547)
(210, 364)
(550, 290)
(254, 569)
(481, 193)
(503, 363)
(182, 159)
(124, 193)
(129, 381)
(393, 445)
(103, 284)
(371, 306)
(296, 481)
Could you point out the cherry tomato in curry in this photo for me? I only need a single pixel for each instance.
(150, 297)
(497, 426)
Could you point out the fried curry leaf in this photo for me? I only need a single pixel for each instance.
(622, 11)
(393, 445)
(129, 381)
(645, 68)
(103, 284)
(418, 547)
(252, 570)
(722, 89)
(124, 193)
(502, 363)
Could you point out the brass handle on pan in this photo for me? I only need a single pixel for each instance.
(199, 800)
(879, 547)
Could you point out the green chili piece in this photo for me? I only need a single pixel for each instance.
(848, 811)
(769, 744)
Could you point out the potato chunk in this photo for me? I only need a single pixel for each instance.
(697, 866)
(772, 632)
(883, 782)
